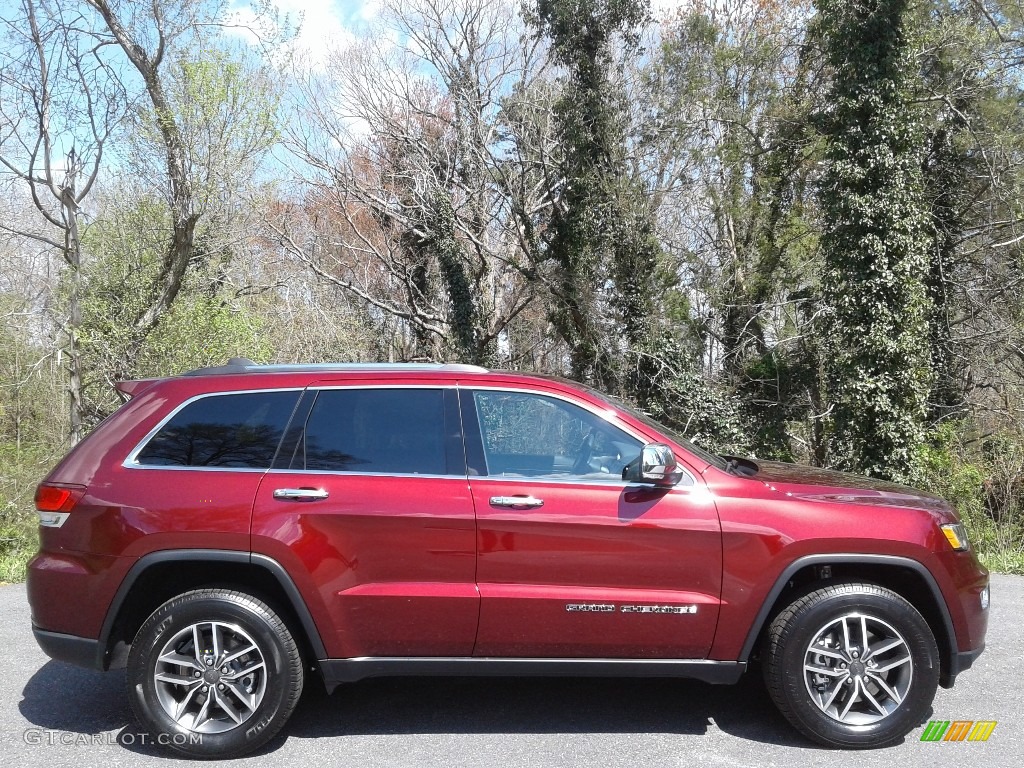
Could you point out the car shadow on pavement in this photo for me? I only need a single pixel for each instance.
(61, 697)
(69, 699)
(542, 705)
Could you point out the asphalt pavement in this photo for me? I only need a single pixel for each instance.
(52, 714)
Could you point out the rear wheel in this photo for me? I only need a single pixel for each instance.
(852, 665)
(214, 673)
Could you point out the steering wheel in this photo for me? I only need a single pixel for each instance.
(583, 453)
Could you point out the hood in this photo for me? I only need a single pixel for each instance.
(813, 483)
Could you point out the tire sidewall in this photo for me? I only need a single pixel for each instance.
(253, 617)
(915, 631)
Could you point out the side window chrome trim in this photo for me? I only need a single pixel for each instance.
(131, 462)
(609, 417)
(197, 468)
(344, 473)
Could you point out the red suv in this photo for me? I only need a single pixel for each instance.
(228, 532)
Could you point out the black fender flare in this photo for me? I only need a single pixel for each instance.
(298, 604)
(949, 653)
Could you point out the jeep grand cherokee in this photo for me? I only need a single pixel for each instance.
(229, 532)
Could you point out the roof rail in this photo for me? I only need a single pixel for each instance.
(242, 365)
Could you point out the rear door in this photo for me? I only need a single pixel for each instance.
(573, 562)
(369, 504)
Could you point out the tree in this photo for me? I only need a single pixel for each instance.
(974, 172)
(63, 103)
(874, 239)
(599, 228)
(201, 115)
(728, 134)
(407, 204)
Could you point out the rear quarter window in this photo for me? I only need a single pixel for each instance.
(234, 431)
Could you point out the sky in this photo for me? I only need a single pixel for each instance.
(328, 24)
(324, 24)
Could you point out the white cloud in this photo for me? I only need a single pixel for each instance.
(369, 9)
(324, 25)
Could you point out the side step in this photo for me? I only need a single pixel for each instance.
(337, 671)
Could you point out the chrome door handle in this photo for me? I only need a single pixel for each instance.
(516, 501)
(300, 494)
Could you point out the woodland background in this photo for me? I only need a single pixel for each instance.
(788, 229)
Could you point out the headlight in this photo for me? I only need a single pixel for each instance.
(956, 535)
(985, 598)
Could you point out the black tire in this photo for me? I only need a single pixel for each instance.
(246, 705)
(814, 701)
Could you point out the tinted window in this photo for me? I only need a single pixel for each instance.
(238, 431)
(527, 435)
(397, 431)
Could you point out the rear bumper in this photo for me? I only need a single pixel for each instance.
(71, 649)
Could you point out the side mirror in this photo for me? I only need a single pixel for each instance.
(656, 465)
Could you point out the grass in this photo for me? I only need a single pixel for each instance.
(18, 543)
(1010, 561)
(21, 469)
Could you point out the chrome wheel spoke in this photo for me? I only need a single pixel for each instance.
(825, 671)
(874, 702)
(832, 696)
(173, 679)
(882, 648)
(243, 672)
(226, 705)
(184, 703)
(830, 654)
(197, 646)
(890, 692)
(202, 715)
(181, 660)
(237, 654)
(851, 700)
(247, 700)
(892, 664)
(215, 641)
(847, 646)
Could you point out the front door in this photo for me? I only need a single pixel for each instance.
(572, 561)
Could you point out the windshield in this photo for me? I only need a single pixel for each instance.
(639, 415)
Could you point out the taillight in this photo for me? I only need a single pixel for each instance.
(54, 502)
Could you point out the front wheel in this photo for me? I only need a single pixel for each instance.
(852, 665)
(214, 673)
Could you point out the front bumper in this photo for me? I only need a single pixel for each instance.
(959, 661)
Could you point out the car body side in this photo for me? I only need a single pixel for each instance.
(378, 584)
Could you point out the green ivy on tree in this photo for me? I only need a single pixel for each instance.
(602, 226)
(875, 239)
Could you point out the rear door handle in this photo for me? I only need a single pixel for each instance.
(516, 501)
(300, 494)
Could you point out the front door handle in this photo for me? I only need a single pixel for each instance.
(516, 501)
(300, 494)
